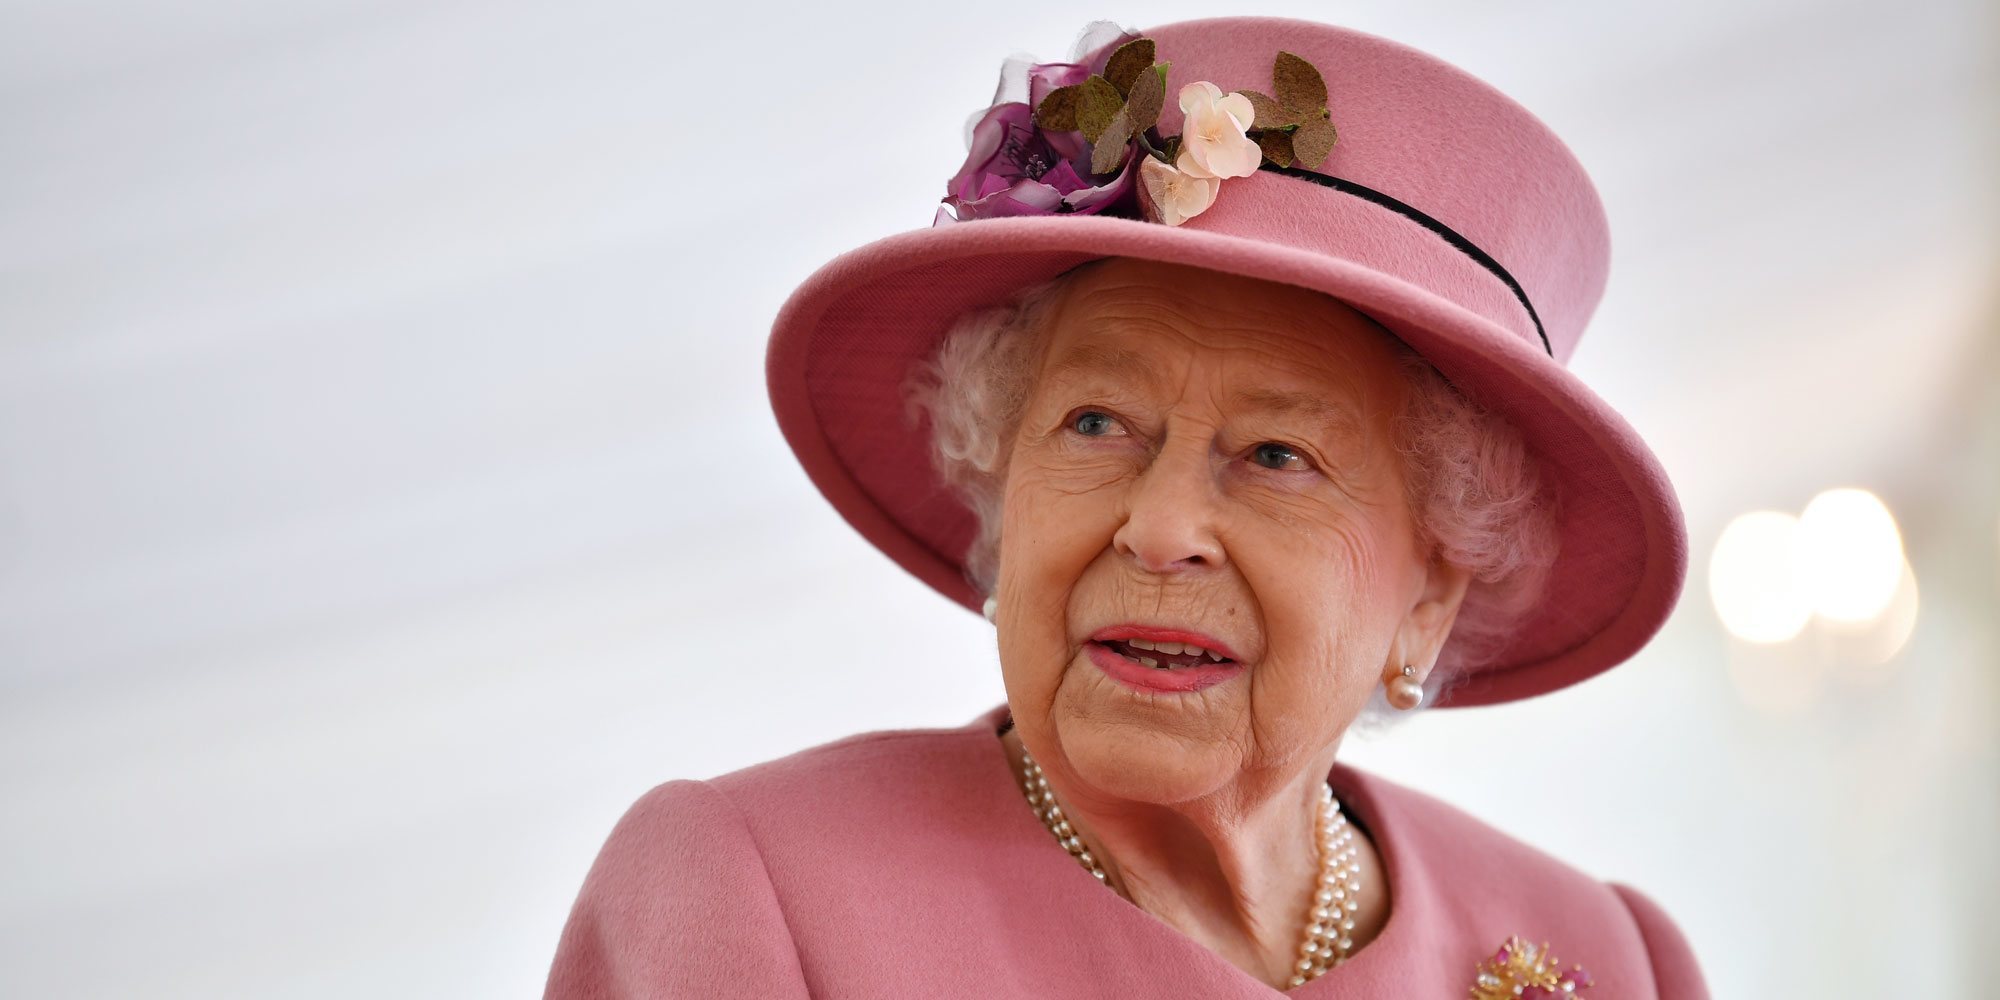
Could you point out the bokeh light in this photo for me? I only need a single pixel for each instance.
(1876, 642)
(1852, 554)
(1753, 578)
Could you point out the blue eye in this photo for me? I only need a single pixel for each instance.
(1272, 455)
(1092, 424)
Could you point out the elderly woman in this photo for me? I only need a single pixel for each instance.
(1239, 435)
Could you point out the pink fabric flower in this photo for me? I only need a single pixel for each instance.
(1174, 196)
(1213, 143)
(1013, 167)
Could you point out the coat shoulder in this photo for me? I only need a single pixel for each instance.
(1481, 885)
(677, 903)
(1674, 966)
(1473, 844)
(704, 887)
(886, 768)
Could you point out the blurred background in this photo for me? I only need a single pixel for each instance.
(388, 494)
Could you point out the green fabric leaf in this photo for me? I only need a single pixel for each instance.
(1108, 150)
(1297, 83)
(1057, 112)
(1312, 141)
(1277, 147)
(1097, 103)
(1269, 113)
(1144, 100)
(1126, 63)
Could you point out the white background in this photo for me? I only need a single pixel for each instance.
(388, 494)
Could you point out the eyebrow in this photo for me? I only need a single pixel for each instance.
(1310, 406)
(1086, 360)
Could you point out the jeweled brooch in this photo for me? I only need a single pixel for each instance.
(1522, 971)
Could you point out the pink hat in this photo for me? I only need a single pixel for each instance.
(1445, 211)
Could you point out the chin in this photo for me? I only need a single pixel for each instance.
(1119, 773)
(1126, 756)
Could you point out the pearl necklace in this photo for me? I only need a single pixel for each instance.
(1329, 927)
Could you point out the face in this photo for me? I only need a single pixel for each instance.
(1206, 458)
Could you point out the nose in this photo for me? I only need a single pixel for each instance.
(1171, 512)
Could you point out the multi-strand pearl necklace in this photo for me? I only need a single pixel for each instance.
(1329, 934)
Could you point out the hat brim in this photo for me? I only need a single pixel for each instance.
(843, 345)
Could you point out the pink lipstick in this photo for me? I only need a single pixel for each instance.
(1154, 659)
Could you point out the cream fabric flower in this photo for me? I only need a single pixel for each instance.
(1212, 139)
(1175, 195)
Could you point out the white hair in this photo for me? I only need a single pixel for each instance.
(1474, 491)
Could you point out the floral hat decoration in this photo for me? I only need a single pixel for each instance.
(1070, 148)
(1286, 151)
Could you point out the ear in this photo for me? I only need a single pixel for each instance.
(1424, 628)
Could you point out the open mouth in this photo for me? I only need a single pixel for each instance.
(1166, 655)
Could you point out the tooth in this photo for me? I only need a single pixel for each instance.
(1213, 655)
(1138, 644)
(1170, 648)
(1149, 661)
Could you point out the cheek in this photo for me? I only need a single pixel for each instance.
(1056, 520)
(1323, 588)
(1058, 512)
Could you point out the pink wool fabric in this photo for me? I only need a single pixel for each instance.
(907, 863)
(1412, 127)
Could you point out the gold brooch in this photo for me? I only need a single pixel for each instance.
(1521, 971)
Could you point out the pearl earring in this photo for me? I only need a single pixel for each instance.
(992, 606)
(1404, 691)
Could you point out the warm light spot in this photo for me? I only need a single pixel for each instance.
(1753, 578)
(1852, 552)
(1876, 642)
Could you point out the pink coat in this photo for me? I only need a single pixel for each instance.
(907, 864)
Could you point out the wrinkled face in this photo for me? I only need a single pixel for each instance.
(1203, 459)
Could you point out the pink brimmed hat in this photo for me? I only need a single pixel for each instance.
(1443, 210)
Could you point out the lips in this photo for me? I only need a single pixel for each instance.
(1182, 646)
(1167, 660)
(1165, 655)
